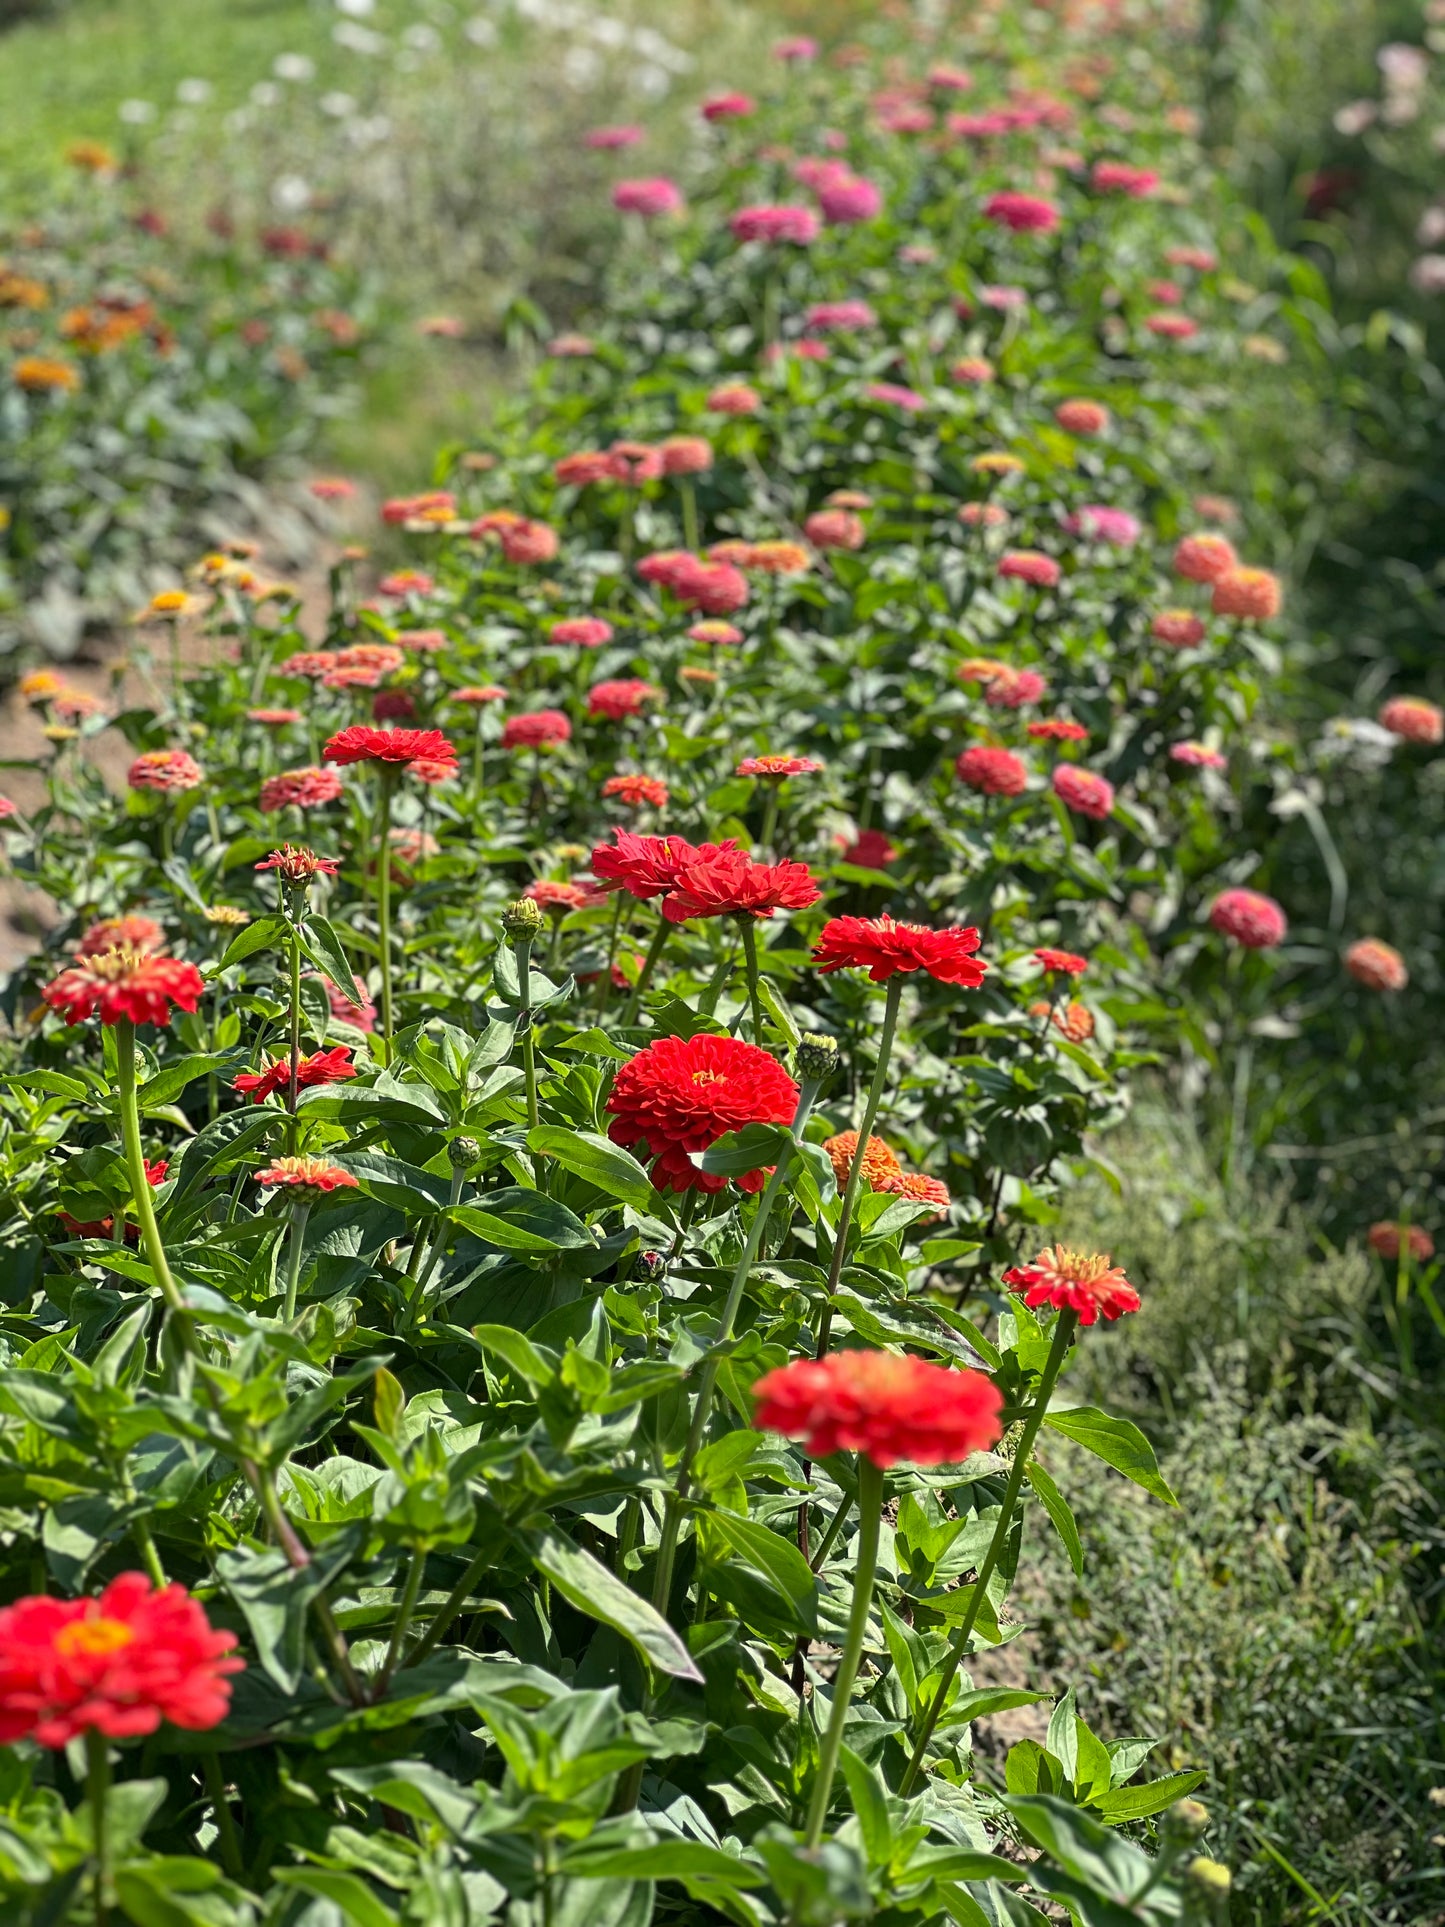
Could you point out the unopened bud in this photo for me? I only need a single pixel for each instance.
(1210, 1875)
(1186, 1819)
(522, 919)
(652, 1266)
(816, 1056)
(463, 1152)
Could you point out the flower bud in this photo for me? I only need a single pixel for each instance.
(816, 1056)
(463, 1152)
(651, 1265)
(1209, 1875)
(522, 920)
(1187, 1819)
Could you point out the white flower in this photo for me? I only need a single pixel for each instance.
(1427, 274)
(1430, 229)
(1355, 116)
(481, 32)
(581, 66)
(194, 93)
(265, 93)
(135, 113)
(298, 67)
(360, 40)
(652, 82)
(358, 9)
(1402, 65)
(421, 37)
(337, 105)
(290, 194)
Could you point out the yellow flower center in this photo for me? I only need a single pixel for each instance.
(708, 1077)
(92, 1638)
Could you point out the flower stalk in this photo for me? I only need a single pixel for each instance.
(1064, 1330)
(97, 1793)
(386, 782)
(870, 1514)
(135, 1166)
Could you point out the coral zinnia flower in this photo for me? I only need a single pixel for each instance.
(721, 882)
(306, 1179)
(1197, 756)
(1055, 729)
(1412, 718)
(360, 743)
(1014, 688)
(124, 983)
(889, 1407)
(308, 662)
(618, 700)
(332, 1066)
(1178, 627)
(1250, 918)
(918, 1188)
(361, 1015)
(536, 730)
(835, 528)
(1082, 791)
(717, 588)
(1386, 1237)
(301, 789)
(581, 470)
(167, 770)
(883, 948)
(115, 933)
(1030, 565)
(1078, 1281)
(993, 772)
(298, 867)
(1204, 558)
(778, 558)
(1376, 965)
(973, 370)
(719, 634)
(405, 582)
(686, 455)
(1082, 417)
(549, 894)
(682, 1094)
(776, 768)
(1251, 593)
(275, 718)
(116, 1665)
(1064, 961)
(879, 1161)
(734, 398)
(637, 791)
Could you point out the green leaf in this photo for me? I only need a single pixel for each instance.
(521, 1220)
(749, 1149)
(667, 1860)
(323, 947)
(962, 1863)
(869, 1797)
(777, 1558)
(518, 1350)
(1117, 1442)
(261, 935)
(1141, 1802)
(175, 1891)
(593, 1589)
(166, 1086)
(351, 1896)
(1057, 1507)
(601, 1162)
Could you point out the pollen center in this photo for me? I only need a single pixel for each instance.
(93, 1638)
(708, 1077)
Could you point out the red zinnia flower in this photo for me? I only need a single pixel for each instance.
(1178, 627)
(1082, 791)
(883, 948)
(1251, 919)
(1023, 213)
(115, 933)
(167, 770)
(1030, 565)
(301, 789)
(1376, 965)
(1412, 718)
(332, 1066)
(870, 850)
(717, 881)
(586, 632)
(617, 700)
(536, 730)
(124, 983)
(993, 772)
(360, 743)
(777, 769)
(886, 1405)
(307, 1179)
(1064, 961)
(682, 1094)
(1078, 1281)
(298, 866)
(116, 1665)
(1387, 1237)
(1055, 729)
(637, 790)
(645, 866)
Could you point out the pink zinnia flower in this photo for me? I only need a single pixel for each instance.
(768, 222)
(1197, 756)
(1022, 213)
(1082, 791)
(1250, 918)
(892, 395)
(583, 632)
(1098, 523)
(653, 195)
(826, 316)
(845, 202)
(608, 138)
(729, 107)
(1030, 565)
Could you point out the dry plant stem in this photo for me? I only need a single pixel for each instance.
(855, 1172)
(870, 1512)
(702, 1409)
(1063, 1337)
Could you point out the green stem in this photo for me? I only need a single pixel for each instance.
(707, 1385)
(689, 512)
(97, 1789)
(150, 1558)
(870, 1513)
(855, 1173)
(654, 951)
(529, 1043)
(299, 1214)
(604, 975)
(383, 904)
(293, 1087)
(1058, 1351)
(456, 1599)
(231, 1860)
(770, 820)
(139, 1183)
(835, 1526)
(404, 1614)
(750, 964)
(264, 1484)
